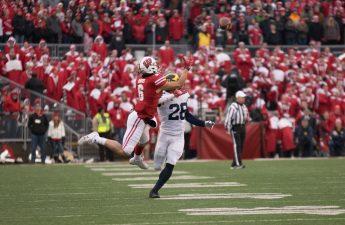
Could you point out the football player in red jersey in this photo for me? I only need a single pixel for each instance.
(149, 89)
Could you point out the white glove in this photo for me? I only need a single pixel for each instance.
(209, 124)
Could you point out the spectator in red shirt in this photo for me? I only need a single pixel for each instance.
(11, 44)
(54, 86)
(118, 118)
(176, 27)
(255, 34)
(166, 54)
(12, 109)
(100, 47)
(138, 32)
(7, 24)
(161, 29)
(66, 29)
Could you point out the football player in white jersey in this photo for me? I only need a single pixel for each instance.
(172, 111)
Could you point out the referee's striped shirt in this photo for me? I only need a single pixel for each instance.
(236, 114)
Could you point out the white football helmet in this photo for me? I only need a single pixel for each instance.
(148, 65)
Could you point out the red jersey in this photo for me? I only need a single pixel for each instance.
(147, 95)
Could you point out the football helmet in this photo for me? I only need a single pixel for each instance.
(148, 65)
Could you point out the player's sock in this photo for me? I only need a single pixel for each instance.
(163, 177)
(137, 152)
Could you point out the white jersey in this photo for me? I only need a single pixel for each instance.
(172, 113)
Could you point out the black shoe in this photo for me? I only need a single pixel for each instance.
(154, 194)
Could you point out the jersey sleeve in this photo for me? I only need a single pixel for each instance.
(159, 81)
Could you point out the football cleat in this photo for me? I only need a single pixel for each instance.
(88, 139)
(157, 168)
(139, 162)
(154, 194)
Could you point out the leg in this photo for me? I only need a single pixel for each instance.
(55, 151)
(163, 178)
(41, 145)
(144, 139)
(138, 159)
(135, 128)
(134, 133)
(60, 150)
(33, 147)
(236, 141)
(174, 153)
(160, 151)
(94, 138)
(242, 139)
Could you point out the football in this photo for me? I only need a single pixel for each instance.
(172, 77)
(225, 23)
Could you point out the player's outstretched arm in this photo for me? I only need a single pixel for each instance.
(176, 84)
(197, 122)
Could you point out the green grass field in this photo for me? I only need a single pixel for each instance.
(78, 194)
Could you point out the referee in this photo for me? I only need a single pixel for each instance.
(235, 123)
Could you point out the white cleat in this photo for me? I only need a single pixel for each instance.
(139, 163)
(88, 139)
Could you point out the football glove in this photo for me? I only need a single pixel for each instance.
(186, 64)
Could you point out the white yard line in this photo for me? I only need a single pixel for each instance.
(297, 159)
(183, 177)
(138, 173)
(115, 169)
(110, 166)
(276, 221)
(105, 169)
(85, 215)
(309, 210)
(225, 196)
(190, 185)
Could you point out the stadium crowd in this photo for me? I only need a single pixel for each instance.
(119, 22)
(299, 94)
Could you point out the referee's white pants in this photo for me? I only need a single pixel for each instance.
(169, 149)
(137, 132)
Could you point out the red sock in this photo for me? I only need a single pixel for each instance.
(138, 150)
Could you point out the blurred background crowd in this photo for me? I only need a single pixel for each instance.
(254, 22)
(298, 94)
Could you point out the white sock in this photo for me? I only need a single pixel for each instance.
(101, 140)
(137, 157)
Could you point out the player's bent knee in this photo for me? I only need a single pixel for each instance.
(172, 161)
(158, 161)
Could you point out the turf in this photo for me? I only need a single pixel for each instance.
(73, 194)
